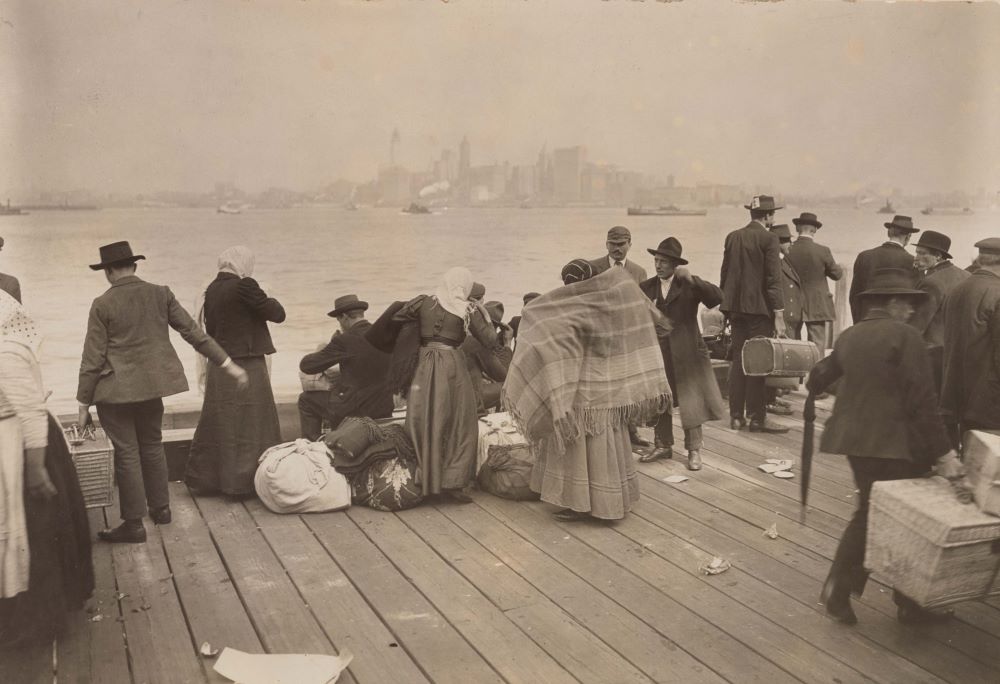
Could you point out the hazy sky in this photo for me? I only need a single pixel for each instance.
(813, 96)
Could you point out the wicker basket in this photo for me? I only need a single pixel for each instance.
(929, 546)
(94, 461)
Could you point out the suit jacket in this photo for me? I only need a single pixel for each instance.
(236, 316)
(791, 285)
(10, 285)
(970, 388)
(127, 355)
(886, 406)
(929, 316)
(751, 272)
(602, 264)
(685, 356)
(363, 389)
(887, 255)
(814, 263)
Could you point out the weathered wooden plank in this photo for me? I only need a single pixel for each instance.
(495, 637)
(661, 659)
(440, 650)
(159, 644)
(687, 628)
(342, 612)
(212, 606)
(28, 664)
(95, 651)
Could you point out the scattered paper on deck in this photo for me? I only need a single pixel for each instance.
(784, 474)
(772, 531)
(281, 668)
(207, 650)
(774, 465)
(715, 566)
(675, 479)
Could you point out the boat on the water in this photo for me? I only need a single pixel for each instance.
(946, 211)
(11, 211)
(415, 208)
(887, 208)
(669, 210)
(229, 208)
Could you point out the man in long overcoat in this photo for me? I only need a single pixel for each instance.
(890, 254)
(677, 294)
(814, 264)
(939, 278)
(752, 299)
(970, 392)
(791, 286)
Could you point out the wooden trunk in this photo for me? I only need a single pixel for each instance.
(783, 358)
(981, 455)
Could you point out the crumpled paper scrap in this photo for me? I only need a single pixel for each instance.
(281, 668)
(715, 566)
(774, 465)
(771, 532)
(675, 479)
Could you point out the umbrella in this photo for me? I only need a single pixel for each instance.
(809, 414)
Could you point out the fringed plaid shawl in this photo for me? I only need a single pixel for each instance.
(587, 359)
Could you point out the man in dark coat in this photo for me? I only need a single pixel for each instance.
(791, 286)
(752, 299)
(488, 367)
(885, 420)
(9, 283)
(970, 392)
(890, 254)
(814, 264)
(362, 389)
(677, 294)
(128, 366)
(940, 277)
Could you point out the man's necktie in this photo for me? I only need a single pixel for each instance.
(618, 263)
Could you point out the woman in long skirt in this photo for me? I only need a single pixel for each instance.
(235, 427)
(441, 405)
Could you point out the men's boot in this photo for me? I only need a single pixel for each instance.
(129, 532)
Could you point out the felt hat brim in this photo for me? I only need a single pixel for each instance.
(348, 307)
(680, 260)
(116, 262)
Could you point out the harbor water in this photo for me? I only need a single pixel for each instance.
(308, 256)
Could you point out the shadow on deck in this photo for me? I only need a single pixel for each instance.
(499, 591)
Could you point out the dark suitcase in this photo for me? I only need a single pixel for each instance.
(776, 357)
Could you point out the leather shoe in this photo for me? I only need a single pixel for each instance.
(767, 426)
(779, 410)
(737, 423)
(694, 460)
(161, 515)
(569, 515)
(843, 614)
(129, 532)
(656, 454)
(916, 615)
(458, 495)
(638, 441)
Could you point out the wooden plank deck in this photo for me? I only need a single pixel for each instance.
(498, 591)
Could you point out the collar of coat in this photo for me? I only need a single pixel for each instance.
(939, 266)
(126, 280)
(876, 315)
(890, 243)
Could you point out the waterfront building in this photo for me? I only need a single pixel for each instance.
(567, 163)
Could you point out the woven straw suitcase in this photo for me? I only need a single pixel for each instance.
(981, 455)
(93, 457)
(771, 357)
(929, 546)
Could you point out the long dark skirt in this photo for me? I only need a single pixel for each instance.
(234, 429)
(441, 420)
(61, 575)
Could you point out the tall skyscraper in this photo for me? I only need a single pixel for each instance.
(567, 165)
(464, 159)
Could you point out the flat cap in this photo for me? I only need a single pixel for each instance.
(782, 231)
(989, 245)
(619, 233)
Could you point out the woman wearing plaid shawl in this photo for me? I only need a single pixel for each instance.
(587, 364)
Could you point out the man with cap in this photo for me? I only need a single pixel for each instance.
(9, 283)
(619, 242)
(488, 366)
(970, 388)
(752, 299)
(939, 277)
(362, 389)
(791, 287)
(676, 293)
(885, 420)
(128, 366)
(890, 254)
(814, 264)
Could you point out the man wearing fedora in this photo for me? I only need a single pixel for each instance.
(128, 366)
(939, 277)
(970, 388)
(885, 420)
(814, 264)
(9, 283)
(753, 301)
(676, 293)
(890, 254)
(362, 389)
(488, 366)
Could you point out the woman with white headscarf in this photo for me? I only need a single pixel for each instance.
(441, 405)
(235, 427)
(45, 566)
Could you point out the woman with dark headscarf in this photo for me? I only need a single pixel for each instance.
(587, 364)
(235, 426)
(441, 405)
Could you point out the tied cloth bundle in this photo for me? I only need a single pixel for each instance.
(587, 360)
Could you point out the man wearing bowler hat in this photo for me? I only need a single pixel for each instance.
(752, 299)
(890, 254)
(676, 293)
(940, 277)
(970, 391)
(814, 264)
(128, 366)
(362, 388)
